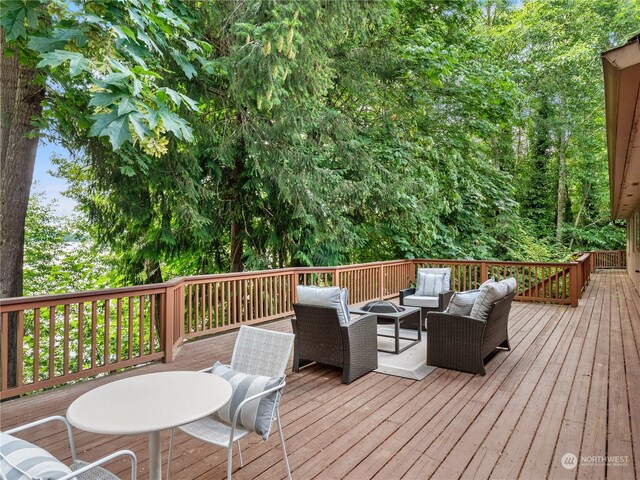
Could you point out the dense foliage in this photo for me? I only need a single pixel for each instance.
(322, 133)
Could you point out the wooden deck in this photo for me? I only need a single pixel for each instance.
(571, 384)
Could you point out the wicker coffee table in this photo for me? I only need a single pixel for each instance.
(396, 318)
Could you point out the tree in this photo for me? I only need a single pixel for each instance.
(112, 50)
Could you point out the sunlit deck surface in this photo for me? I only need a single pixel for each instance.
(571, 384)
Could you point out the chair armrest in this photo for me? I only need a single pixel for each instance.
(103, 460)
(458, 327)
(234, 421)
(443, 300)
(54, 418)
(358, 317)
(405, 293)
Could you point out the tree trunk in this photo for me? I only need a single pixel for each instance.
(579, 215)
(20, 100)
(236, 263)
(562, 195)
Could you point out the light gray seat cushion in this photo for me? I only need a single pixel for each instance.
(462, 302)
(421, 301)
(446, 280)
(23, 460)
(489, 294)
(333, 297)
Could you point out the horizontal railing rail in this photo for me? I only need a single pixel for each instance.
(67, 337)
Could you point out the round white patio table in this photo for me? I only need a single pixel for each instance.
(148, 404)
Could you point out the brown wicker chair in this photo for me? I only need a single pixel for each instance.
(462, 343)
(320, 338)
(443, 303)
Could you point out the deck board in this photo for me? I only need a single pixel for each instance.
(571, 384)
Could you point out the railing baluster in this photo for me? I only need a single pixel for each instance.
(4, 358)
(20, 350)
(65, 341)
(36, 345)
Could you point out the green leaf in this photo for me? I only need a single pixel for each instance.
(189, 101)
(136, 119)
(12, 19)
(77, 61)
(126, 105)
(127, 170)
(176, 125)
(105, 99)
(118, 132)
(77, 65)
(101, 121)
(175, 96)
(45, 44)
(182, 61)
(171, 122)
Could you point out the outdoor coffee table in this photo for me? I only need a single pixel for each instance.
(396, 318)
(148, 404)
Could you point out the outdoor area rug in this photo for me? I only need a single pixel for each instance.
(410, 363)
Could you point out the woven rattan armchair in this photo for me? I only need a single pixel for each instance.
(462, 343)
(320, 338)
(443, 302)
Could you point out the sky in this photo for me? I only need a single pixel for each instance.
(43, 181)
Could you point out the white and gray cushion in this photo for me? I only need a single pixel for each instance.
(461, 303)
(333, 297)
(487, 282)
(257, 414)
(430, 284)
(489, 294)
(446, 280)
(21, 460)
(419, 301)
(511, 283)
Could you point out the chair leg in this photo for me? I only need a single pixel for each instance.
(284, 450)
(229, 460)
(170, 452)
(240, 453)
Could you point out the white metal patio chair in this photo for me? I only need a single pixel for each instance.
(256, 352)
(17, 456)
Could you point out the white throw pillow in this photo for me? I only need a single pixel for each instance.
(332, 297)
(446, 281)
(430, 284)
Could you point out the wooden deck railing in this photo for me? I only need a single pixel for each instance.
(607, 259)
(63, 338)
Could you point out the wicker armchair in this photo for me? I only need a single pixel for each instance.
(462, 343)
(443, 303)
(320, 338)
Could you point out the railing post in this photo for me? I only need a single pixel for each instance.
(484, 272)
(574, 284)
(167, 314)
(381, 281)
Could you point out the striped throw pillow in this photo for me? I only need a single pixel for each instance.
(430, 284)
(462, 302)
(21, 460)
(256, 415)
